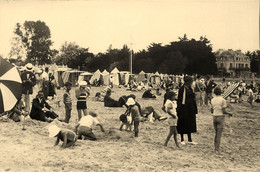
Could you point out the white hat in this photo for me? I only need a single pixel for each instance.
(53, 130)
(130, 101)
(83, 83)
(29, 66)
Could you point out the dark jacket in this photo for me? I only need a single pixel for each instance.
(186, 112)
(110, 102)
(148, 94)
(28, 81)
(209, 86)
(37, 112)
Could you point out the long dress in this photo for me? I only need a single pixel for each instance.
(186, 111)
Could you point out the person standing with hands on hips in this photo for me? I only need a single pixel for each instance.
(81, 94)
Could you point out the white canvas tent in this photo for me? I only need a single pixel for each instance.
(105, 77)
(141, 76)
(86, 76)
(114, 76)
(96, 76)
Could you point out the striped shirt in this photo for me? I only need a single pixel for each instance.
(67, 98)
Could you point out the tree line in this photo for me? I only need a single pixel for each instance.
(32, 39)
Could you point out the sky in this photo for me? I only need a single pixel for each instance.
(96, 24)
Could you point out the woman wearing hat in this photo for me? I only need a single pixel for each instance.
(186, 110)
(81, 94)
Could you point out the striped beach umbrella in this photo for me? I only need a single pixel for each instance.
(230, 90)
(10, 86)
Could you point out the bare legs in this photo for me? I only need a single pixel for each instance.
(173, 131)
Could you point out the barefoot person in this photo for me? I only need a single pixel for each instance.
(85, 125)
(218, 109)
(81, 94)
(67, 102)
(68, 137)
(170, 108)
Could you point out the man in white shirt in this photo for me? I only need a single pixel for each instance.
(85, 125)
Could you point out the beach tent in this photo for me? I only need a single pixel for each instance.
(141, 76)
(105, 77)
(96, 76)
(85, 76)
(58, 75)
(115, 77)
(122, 77)
(71, 76)
(155, 78)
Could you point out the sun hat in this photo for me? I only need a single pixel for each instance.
(130, 101)
(29, 66)
(53, 130)
(83, 83)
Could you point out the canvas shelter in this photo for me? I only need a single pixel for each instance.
(71, 76)
(105, 77)
(85, 76)
(115, 77)
(96, 76)
(58, 75)
(141, 76)
(123, 77)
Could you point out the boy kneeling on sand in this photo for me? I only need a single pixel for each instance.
(85, 125)
(67, 136)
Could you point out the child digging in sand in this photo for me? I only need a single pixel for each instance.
(170, 108)
(67, 136)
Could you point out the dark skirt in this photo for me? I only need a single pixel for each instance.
(186, 120)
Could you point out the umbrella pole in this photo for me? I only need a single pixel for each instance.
(23, 122)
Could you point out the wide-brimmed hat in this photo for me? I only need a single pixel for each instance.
(130, 101)
(29, 66)
(53, 130)
(83, 83)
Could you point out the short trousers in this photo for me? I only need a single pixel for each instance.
(81, 105)
(218, 121)
(172, 121)
(84, 130)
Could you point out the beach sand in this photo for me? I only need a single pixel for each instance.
(33, 150)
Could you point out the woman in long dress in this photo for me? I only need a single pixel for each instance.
(186, 110)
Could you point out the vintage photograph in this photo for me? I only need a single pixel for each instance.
(130, 85)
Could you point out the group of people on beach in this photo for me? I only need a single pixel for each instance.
(180, 107)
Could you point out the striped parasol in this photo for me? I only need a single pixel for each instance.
(10, 86)
(230, 90)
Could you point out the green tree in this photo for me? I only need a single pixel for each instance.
(35, 39)
(74, 56)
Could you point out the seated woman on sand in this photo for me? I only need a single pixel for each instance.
(148, 94)
(110, 102)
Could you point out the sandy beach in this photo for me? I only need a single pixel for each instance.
(33, 150)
